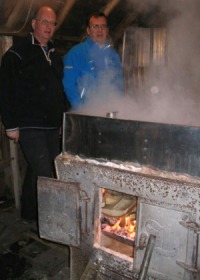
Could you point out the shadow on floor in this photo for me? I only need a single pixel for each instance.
(25, 256)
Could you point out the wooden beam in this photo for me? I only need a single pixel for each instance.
(110, 6)
(65, 11)
(17, 12)
(15, 172)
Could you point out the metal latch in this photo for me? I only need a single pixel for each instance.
(84, 197)
(142, 241)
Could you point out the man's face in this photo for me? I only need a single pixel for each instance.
(44, 25)
(98, 30)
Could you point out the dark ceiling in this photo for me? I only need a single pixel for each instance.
(15, 17)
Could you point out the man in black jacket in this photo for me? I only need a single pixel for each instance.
(32, 102)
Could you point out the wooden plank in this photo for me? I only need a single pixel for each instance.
(15, 172)
(4, 163)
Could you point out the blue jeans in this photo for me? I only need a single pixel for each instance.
(40, 147)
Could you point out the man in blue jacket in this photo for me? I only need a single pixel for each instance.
(93, 65)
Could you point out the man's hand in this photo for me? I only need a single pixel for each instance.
(14, 135)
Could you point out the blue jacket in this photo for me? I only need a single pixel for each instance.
(89, 69)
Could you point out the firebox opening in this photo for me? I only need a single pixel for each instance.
(118, 221)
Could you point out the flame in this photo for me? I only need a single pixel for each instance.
(124, 226)
(103, 190)
(127, 230)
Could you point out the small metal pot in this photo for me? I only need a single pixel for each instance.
(112, 115)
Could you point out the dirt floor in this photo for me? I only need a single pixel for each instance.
(25, 256)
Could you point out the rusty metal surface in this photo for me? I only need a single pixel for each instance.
(171, 239)
(108, 264)
(65, 216)
(101, 272)
(169, 202)
(165, 203)
(167, 147)
(58, 211)
(179, 194)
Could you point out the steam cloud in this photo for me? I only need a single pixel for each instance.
(172, 94)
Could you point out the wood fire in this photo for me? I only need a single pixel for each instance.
(122, 228)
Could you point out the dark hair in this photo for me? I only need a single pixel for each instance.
(96, 15)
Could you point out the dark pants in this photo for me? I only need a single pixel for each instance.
(40, 147)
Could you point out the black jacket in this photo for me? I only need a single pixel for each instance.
(31, 90)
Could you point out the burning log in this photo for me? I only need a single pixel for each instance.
(122, 229)
(121, 238)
